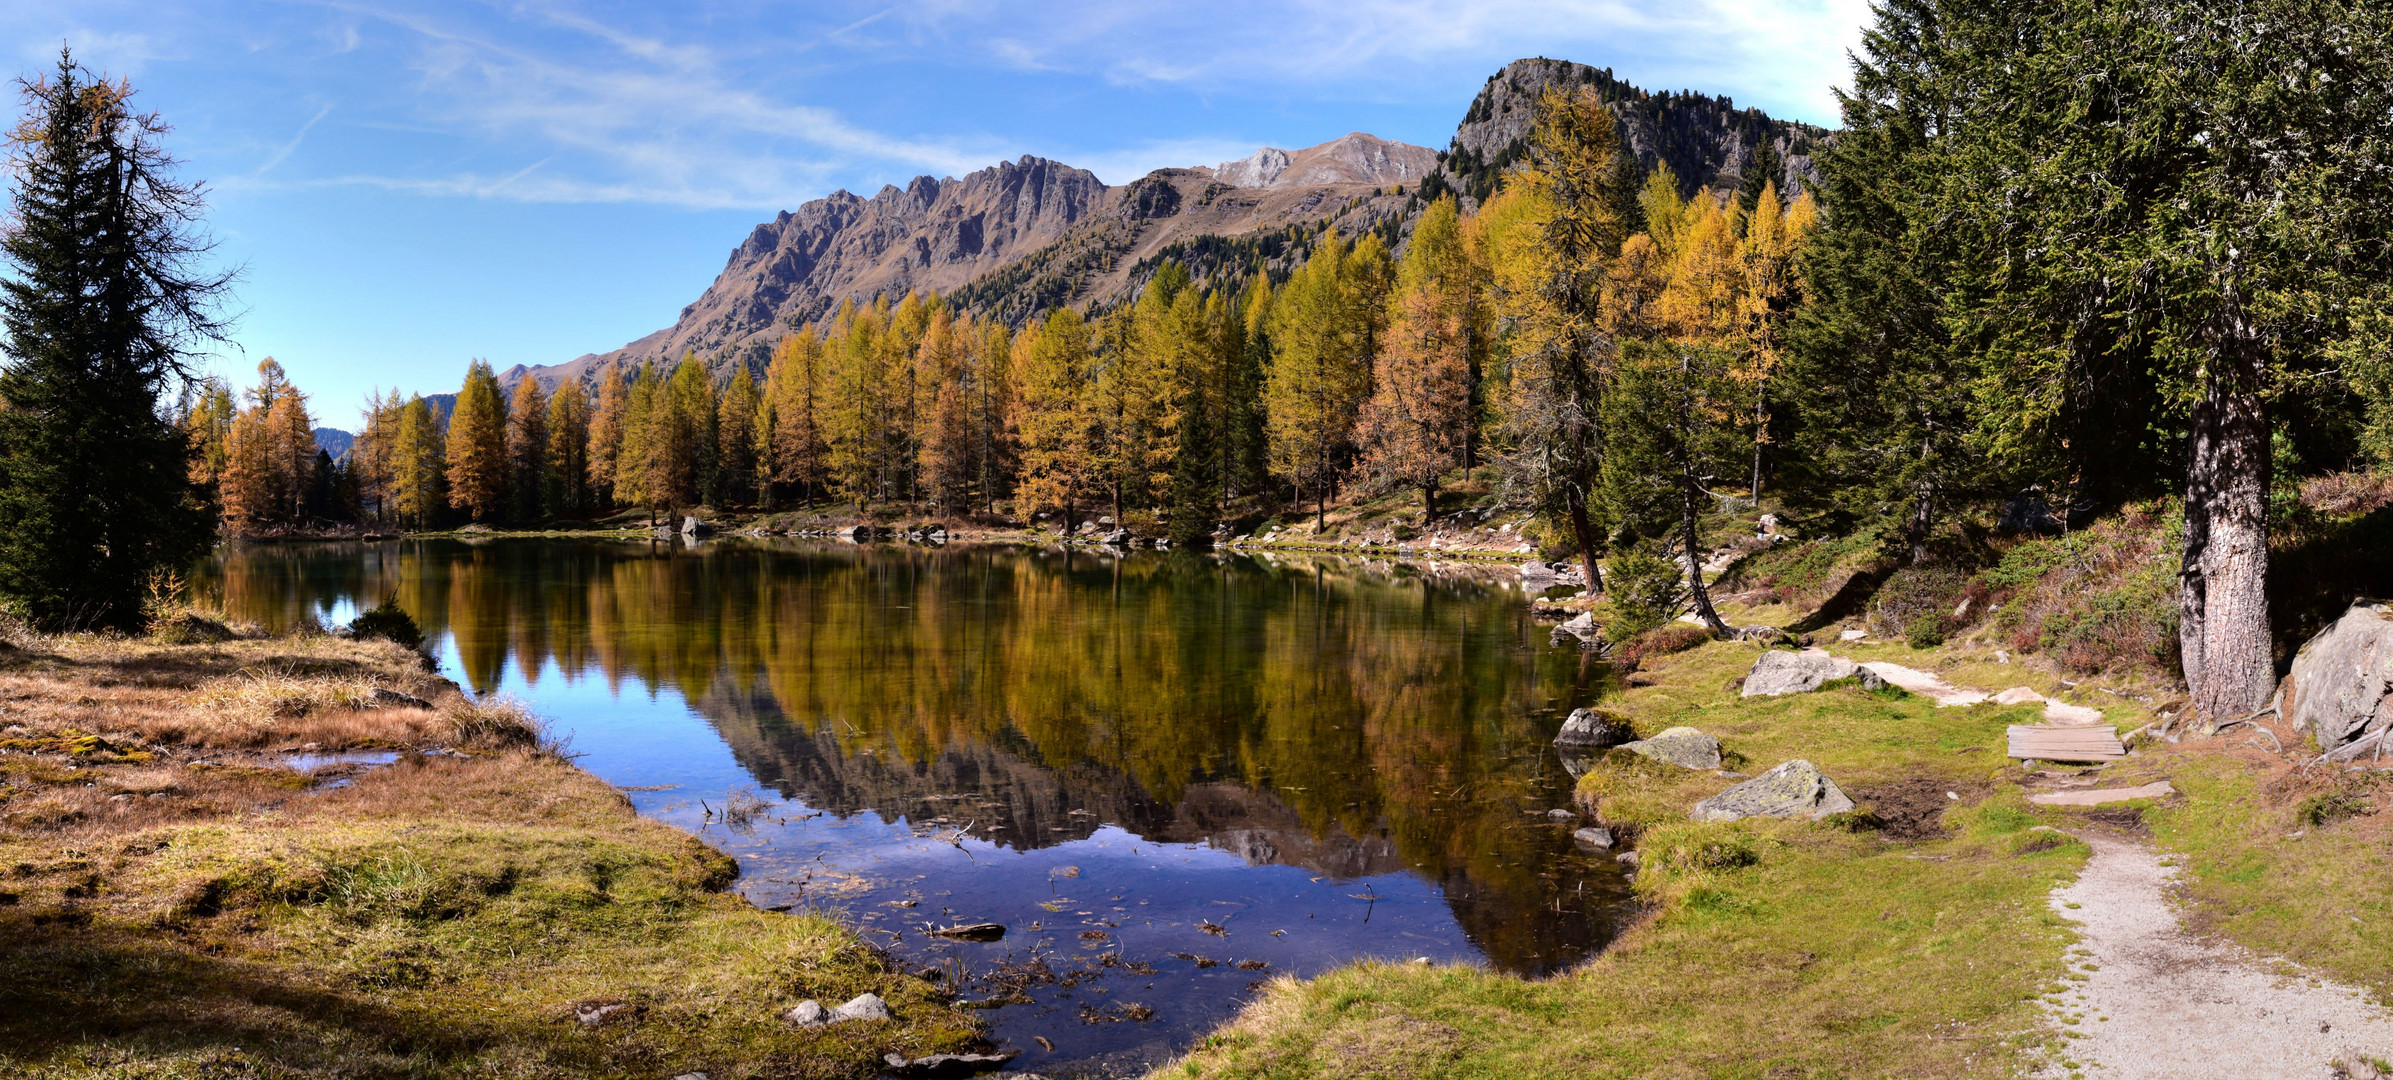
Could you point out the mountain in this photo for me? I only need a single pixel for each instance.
(1354, 159)
(334, 441)
(1024, 236)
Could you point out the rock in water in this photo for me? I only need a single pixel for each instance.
(2340, 679)
(1589, 729)
(1593, 837)
(691, 526)
(941, 1065)
(862, 1007)
(1535, 571)
(1794, 789)
(1684, 747)
(1781, 672)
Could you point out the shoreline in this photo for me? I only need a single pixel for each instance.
(307, 856)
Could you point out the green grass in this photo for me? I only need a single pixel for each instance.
(2259, 866)
(1771, 949)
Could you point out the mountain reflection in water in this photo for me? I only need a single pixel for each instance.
(1380, 729)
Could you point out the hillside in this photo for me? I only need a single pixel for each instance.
(1027, 235)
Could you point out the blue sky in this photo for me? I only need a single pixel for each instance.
(411, 185)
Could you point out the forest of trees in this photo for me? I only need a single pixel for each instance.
(1494, 339)
(2066, 256)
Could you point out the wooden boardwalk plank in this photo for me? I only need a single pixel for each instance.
(2088, 743)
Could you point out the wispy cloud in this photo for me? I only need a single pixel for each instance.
(627, 117)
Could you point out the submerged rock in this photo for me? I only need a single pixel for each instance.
(937, 1065)
(1684, 747)
(2341, 678)
(1594, 836)
(1794, 789)
(1590, 730)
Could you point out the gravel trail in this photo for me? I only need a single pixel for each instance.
(2160, 1004)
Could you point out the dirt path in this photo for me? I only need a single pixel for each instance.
(2159, 1004)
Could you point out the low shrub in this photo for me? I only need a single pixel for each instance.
(1658, 641)
(389, 622)
(1915, 602)
(1641, 592)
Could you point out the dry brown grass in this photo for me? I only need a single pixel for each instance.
(177, 901)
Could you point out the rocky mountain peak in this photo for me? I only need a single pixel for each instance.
(1354, 158)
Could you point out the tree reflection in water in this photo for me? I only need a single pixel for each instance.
(1351, 718)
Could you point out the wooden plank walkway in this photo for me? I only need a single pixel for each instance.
(2093, 742)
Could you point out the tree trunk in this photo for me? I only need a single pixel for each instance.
(1429, 502)
(1583, 531)
(2222, 600)
(1915, 531)
(1761, 431)
(1691, 498)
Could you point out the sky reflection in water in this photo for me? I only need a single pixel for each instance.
(1170, 777)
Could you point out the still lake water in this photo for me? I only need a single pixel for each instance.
(1169, 776)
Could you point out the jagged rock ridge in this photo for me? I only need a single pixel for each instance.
(1028, 235)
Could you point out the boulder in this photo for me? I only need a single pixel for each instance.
(1684, 747)
(1781, 672)
(1583, 628)
(2341, 678)
(1534, 570)
(862, 1007)
(809, 1013)
(1588, 729)
(1794, 789)
(1116, 538)
(1594, 836)
(691, 526)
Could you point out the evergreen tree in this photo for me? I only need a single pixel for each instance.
(1675, 421)
(2180, 200)
(477, 446)
(103, 301)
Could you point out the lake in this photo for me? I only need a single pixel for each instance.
(1169, 777)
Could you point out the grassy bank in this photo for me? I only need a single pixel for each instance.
(178, 901)
(1914, 942)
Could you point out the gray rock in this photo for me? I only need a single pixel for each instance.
(1534, 570)
(1594, 836)
(862, 1007)
(392, 699)
(692, 1076)
(691, 526)
(1591, 730)
(936, 1065)
(1559, 814)
(597, 1013)
(1684, 747)
(1781, 672)
(2341, 678)
(809, 1013)
(1793, 789)
(1116, 538)
(1628, 859)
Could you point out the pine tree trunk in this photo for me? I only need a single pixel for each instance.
(1583, 531)
(1915, 531)
(2223, 627)
(1691, 497)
